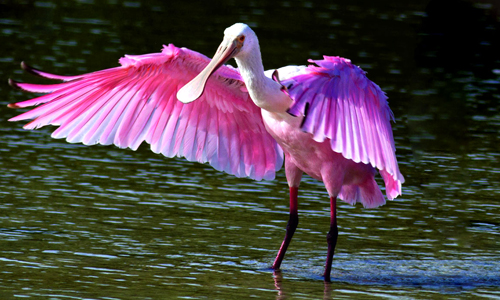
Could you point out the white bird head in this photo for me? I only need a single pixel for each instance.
(244, 36)
(239, 40)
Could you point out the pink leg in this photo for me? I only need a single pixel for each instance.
(290, 227)
(331, 238)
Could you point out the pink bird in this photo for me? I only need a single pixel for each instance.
(327, 119)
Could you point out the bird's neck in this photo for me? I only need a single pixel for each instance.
(265, 92)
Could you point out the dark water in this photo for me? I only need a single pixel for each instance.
(99, 222)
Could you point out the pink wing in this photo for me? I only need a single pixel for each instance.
(340, 103)
(137, 102)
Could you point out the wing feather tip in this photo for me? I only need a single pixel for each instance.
(25, 66)
(292, 113)
(14, 84)
(13, 105)
(29, 69)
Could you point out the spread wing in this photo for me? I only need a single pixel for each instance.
(341, 104)
(137, 102)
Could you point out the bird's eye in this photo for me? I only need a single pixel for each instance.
(241, 38)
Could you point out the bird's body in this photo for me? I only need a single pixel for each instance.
(316, 159)
(328, 119)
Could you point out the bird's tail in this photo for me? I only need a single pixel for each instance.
(392, 185)
(368, 193)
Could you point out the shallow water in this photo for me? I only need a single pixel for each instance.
(106, 223)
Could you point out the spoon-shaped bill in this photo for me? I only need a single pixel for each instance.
(194, 89)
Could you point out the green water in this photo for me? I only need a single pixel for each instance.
(100, 222)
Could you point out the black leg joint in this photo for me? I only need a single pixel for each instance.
(292, 224)
(332, 235)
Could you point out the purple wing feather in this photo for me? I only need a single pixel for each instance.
(341, 104)
(137, 102)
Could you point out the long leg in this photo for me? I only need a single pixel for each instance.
(290, 227)
(293, 177)
(331, 238)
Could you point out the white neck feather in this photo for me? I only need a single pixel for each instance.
(265, 92)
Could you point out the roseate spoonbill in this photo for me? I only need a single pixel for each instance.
(327, 119)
